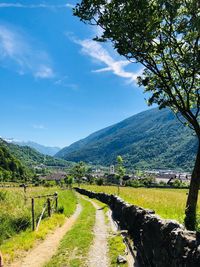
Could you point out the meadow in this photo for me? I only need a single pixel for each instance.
(167, 203)
(15, 217)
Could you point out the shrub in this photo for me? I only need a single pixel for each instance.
(3, 195)
(99, 181)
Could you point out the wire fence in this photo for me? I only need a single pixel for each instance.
(50, 206)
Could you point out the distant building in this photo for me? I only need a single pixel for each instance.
(168, 174)
(112, 169)
(54, 176)
(98, 173)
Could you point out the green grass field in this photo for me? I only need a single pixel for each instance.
(15, 217)
(168, 203)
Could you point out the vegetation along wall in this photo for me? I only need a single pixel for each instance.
(159, 242)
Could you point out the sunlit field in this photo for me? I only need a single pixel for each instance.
(168, 203)
(15, 218)
(15, 211)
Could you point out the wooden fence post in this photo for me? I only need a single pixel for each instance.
(56, 199)
(49, 206)
(25, 198)
(33, 214)
(56, 203)
(1, 260)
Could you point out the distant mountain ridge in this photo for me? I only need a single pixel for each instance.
(31, 157)
(46, 150)
(150, 139)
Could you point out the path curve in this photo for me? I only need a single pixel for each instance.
(98, 252)
(42, 253)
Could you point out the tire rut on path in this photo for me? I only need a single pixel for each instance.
(98, 252)
(42, 253)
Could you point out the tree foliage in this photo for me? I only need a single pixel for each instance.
(79, 171)
(164, 37)
(120, 168)
(10, 167)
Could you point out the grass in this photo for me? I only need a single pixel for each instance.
(74, 247)
(14, 213)
(168, 203)
(116, 248)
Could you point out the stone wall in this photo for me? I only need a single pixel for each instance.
(158, 242)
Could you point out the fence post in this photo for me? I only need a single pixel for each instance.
(56, 203)
(25, 198)
(33, 214)
(1, 260)
(49, 206)
(56, 199)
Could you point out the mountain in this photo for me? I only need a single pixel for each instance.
(31, 157)
(46, 150)
(152, 139)
(10, 167)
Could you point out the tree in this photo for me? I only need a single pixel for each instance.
(120, 171)
(69, 181)
(78, 171)
(164, 37)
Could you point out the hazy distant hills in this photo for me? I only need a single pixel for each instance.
(17, 161)
(150, 139)
(46, 150)
(31, 157)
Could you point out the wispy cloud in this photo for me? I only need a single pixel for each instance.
(97, 52)
(39, 126)
(32, 6)
(65, 82)
(19, 53)
(44, 72)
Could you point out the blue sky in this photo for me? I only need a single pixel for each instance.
(57, 85)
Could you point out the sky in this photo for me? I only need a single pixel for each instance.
(57, 85)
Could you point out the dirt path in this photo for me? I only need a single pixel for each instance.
(98, 252)
(42, 253)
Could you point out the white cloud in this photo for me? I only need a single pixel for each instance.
(65, 82)
(19, 53)
(20, 5)
(44, 72)
(97, 52)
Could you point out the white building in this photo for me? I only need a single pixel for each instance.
(112, 169)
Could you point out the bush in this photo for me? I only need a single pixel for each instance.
(3, 195)
(61, 209)
(99, 181)
(20, 223)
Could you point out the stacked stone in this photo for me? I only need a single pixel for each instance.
(158, 242)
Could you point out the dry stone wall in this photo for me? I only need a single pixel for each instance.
(158, 242)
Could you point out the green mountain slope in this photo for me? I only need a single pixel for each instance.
(31, 157)
(150, 139)
(10, 167)
(51, 151)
